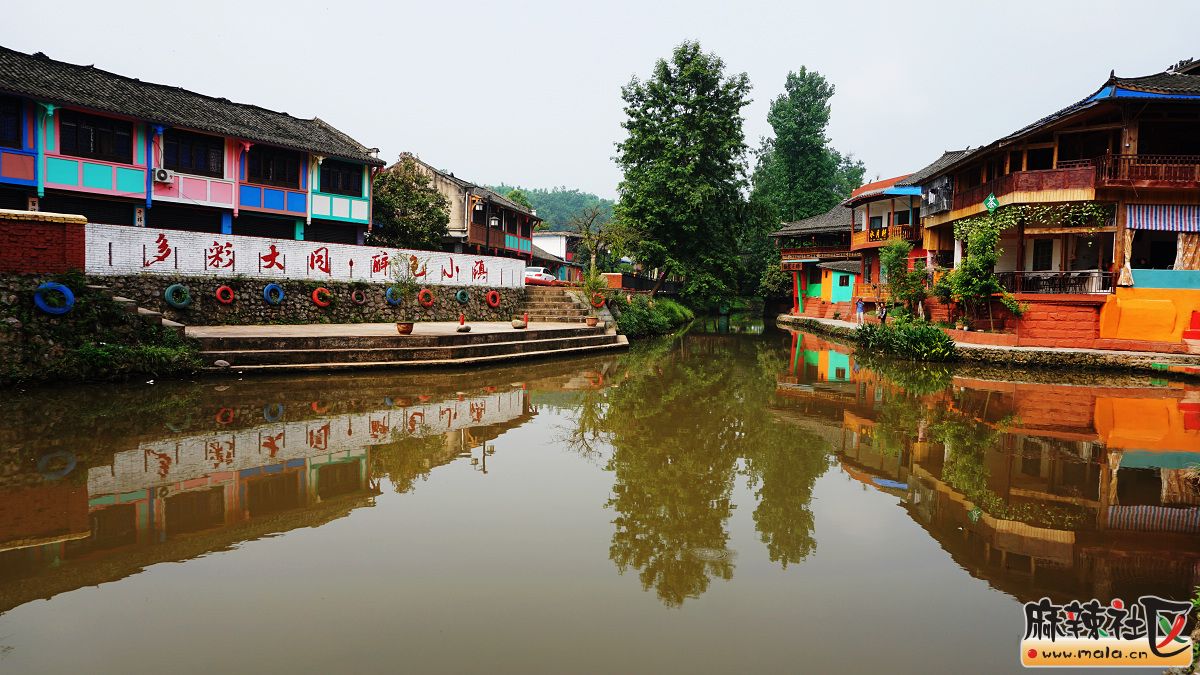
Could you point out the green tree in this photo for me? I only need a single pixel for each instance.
(518, 197)
(409, 211)
(904, 285)
(556, 206)
(684, 166)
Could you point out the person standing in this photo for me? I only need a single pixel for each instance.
(859, 307)
(882, 314)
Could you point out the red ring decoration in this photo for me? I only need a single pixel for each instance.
(493, 298)
(224, 295)
(597, 300)
(318, 300)
(224, 416)
(318, 408)
(425, 297)
(358, 296)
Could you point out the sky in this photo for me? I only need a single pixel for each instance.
(528, 93)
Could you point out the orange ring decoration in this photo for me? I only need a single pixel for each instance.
(224, 416)
(597, 299)
(425, 297)
(318, 300)
(493, 298)
(224, 295)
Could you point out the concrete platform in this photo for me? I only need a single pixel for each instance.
(317, 347)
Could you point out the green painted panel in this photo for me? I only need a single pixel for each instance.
(97, 176)
(813, 291)
(131, 180)
(62, 171)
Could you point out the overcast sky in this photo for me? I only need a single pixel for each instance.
(528, 93)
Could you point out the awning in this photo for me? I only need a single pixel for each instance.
(1142, 459)
(1154, 518)
(1163, 217)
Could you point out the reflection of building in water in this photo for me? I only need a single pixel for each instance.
(178, 498)
(1040, 489)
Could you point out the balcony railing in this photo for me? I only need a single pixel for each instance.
(1074, 175)
(1067, 283)
(870, 291)
(879, 235)
(1150, 170)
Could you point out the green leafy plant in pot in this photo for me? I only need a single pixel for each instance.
(402, 294)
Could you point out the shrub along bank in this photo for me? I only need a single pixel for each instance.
(906, 339)
(641, 316)
(98, 339)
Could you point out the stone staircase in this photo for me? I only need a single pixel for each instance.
(553, 303)
(148, 315)
(815, 308)
(276, 353)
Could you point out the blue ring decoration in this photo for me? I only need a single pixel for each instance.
(387, 400)
(273, 412)
(44, 464)
(391, 296)
(169, 296)
(462, 296)
(273, 294)
(39, 298)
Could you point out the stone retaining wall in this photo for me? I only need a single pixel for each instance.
(249, 308)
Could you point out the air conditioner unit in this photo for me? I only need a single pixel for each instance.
(164, 176)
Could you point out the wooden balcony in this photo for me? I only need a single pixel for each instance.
(1066, 181)
(838, 251)
(870, 292)
(874, 238)
(1149, 171)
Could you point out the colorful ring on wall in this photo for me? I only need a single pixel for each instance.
(322, 296)
(597, 300)
(358, 296)
(39, 298)
(318, 408)
(273, 294)
(44, 464)
(224, 295)
(273, 412)
(425, 297)
(178, 296)
(392, 295)
(224, 416)
(493, 298)
(462, 296)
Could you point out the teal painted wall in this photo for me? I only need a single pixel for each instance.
(839, 293)
(839, 360)
(131, 180)
(62, 171)
(1189, 279)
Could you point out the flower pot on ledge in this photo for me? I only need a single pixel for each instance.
(592, 321)
(404, 327)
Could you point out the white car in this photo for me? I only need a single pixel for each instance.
(538, 275)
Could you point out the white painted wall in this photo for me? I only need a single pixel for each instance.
(121, 250)
(552, 243)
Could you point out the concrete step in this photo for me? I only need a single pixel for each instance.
(400, 354)
(271, 342)
(619, 342)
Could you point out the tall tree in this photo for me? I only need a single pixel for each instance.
(409, 211)
(684, 168)
(596, 231)
(518, 197)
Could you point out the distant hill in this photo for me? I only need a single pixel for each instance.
(557, 205)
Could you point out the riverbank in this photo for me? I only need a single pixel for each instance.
(1031, 357)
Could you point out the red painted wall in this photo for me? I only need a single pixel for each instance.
(40, 243)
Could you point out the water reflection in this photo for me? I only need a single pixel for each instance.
(710, 451)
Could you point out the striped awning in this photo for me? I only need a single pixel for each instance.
(1154, 518)
(1164, 217)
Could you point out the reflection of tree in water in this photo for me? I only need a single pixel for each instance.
(405, 460)
(679, 421)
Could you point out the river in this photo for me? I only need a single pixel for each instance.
(733, 500)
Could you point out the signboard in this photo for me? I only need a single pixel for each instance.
(991, 203)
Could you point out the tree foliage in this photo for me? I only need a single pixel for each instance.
(557, 206)
(518, 197)
(684, 169)
(409, 211)
(904, 285)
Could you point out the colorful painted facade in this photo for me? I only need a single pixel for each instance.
(76, 139)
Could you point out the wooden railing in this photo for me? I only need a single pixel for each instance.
(1150, 170)
(870, 291)
(1080, 174)
(1067, 283)
(880, 235)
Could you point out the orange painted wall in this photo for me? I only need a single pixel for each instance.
(1155, 314)
(1144, 424)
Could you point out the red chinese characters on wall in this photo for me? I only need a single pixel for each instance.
(270, 259)
(451, 272)
(161, 459)
(416, 268)
(271, 443)
(220, 453)
(319, 261)
(318, 439)
(162, 251)
(479, 270)
(379, 262)
(218, 256)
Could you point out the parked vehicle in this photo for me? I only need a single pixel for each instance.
(538, 275)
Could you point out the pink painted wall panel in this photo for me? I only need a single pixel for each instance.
(166, 190)
(221, 193)
(194, 188)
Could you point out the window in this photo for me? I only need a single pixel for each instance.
(1039, 159)
(844, 280)
(1016, 159)
(273, 166)
(95, 137)
(814, 275)
(341, 178)
(193, 153)
(901, 217)
(1043, 254)
(10, 122)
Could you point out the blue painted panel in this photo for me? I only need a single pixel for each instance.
(1189, 279)
(248, 195)
(62, 171)
(131, 180)
(99, 176)
(273, 199)
(295, 202)
(247, 473)
(295, 463)
(274, 468)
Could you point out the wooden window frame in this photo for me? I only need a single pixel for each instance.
(17, 111)
(99, 126)
(338, 178)
(265, 152)
(192, 139)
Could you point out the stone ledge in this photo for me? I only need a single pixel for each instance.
(41, 217)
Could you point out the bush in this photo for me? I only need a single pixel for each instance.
(913, 340)
(642, 317)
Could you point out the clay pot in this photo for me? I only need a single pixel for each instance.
(519, 324)
(404, 327)
(592, 321)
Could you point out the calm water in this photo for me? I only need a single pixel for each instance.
(746, 501)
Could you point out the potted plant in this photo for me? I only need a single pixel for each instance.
(592, 321)
(401, 294)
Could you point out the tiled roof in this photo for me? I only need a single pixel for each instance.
(1163, 83)
(949, 157)
(850, 266)
(879, 187)
(39, 77)
(467, 186)
(834, 220)
(543, 254)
